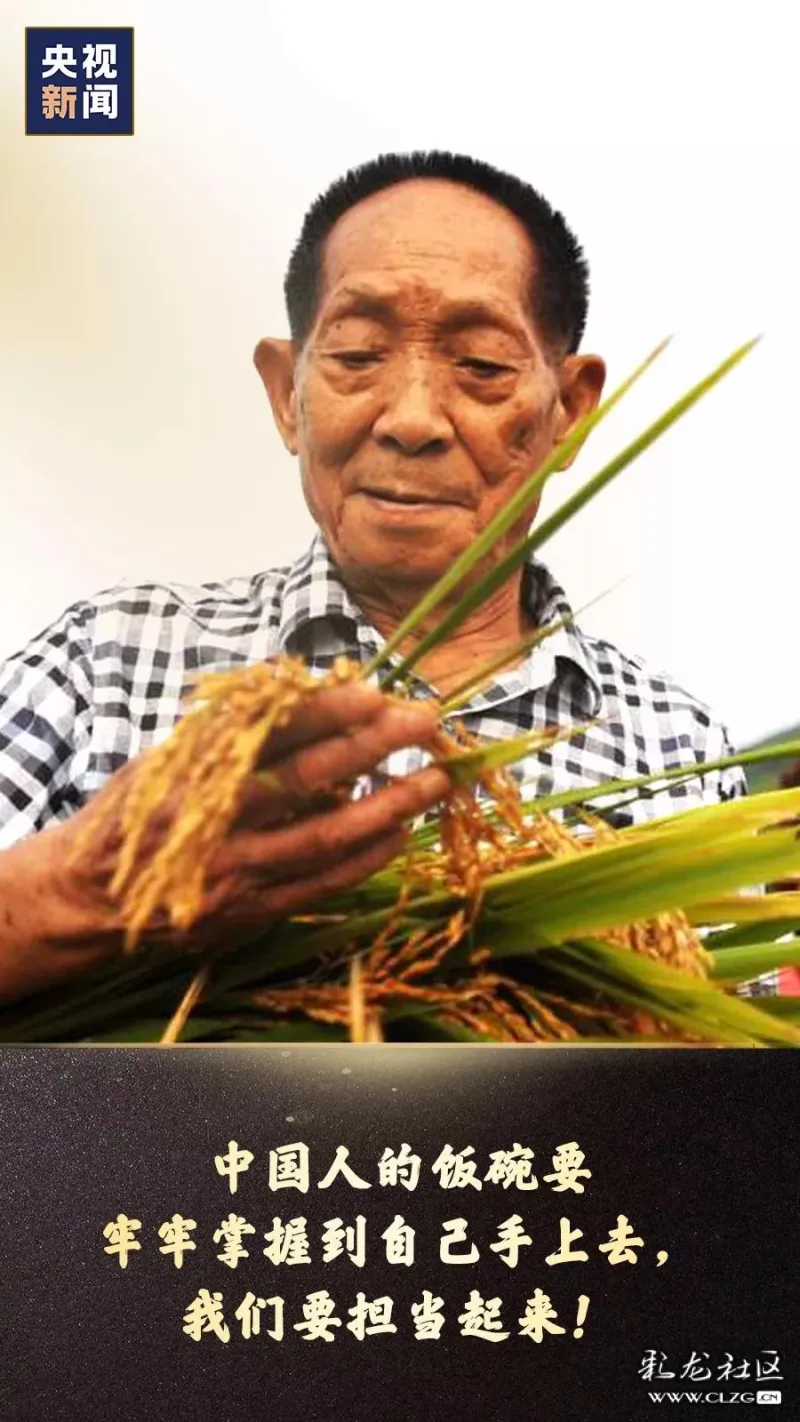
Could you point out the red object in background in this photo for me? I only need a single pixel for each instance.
(789, 978)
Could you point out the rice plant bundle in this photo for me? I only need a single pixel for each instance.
(507, 920)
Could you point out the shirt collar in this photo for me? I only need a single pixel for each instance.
(546, 602)
(314, 592)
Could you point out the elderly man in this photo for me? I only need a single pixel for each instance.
(436, 309)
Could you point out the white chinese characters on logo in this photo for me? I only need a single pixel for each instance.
(100, 61)
(101, 99)
(86, 97)
(61, 60)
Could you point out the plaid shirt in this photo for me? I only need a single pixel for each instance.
(107, 681)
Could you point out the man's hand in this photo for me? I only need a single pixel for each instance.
(288, 848)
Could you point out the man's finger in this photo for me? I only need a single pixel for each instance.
(284, 899)
(315, 769)
(326, 713)
(321, 838)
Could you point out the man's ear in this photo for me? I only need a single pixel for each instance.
(274, 361)
(582, 379)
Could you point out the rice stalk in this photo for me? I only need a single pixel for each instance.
(504, 922)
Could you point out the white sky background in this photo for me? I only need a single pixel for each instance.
(136, 275)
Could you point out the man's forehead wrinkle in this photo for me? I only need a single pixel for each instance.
(472, 302)
(411, 250)
(399, 244)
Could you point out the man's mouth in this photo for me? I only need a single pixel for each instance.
(410, 499)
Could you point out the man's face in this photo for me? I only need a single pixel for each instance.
(424, 396)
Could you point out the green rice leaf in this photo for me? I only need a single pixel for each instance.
(633, 879)
(761, 912)
(739, 965)
(746, 934)
(690, 1004)
(785, 1007)
(657, 780)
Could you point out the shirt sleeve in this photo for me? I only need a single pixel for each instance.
(46, 701)
(732, 782)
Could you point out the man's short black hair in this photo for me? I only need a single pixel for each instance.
(560, 295)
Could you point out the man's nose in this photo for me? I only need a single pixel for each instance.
(413, 418)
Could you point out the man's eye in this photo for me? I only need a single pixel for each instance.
(354, 360)
(485, 368)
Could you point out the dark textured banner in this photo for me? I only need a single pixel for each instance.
(396, 1232)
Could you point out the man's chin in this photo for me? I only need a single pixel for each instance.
(417, 557)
